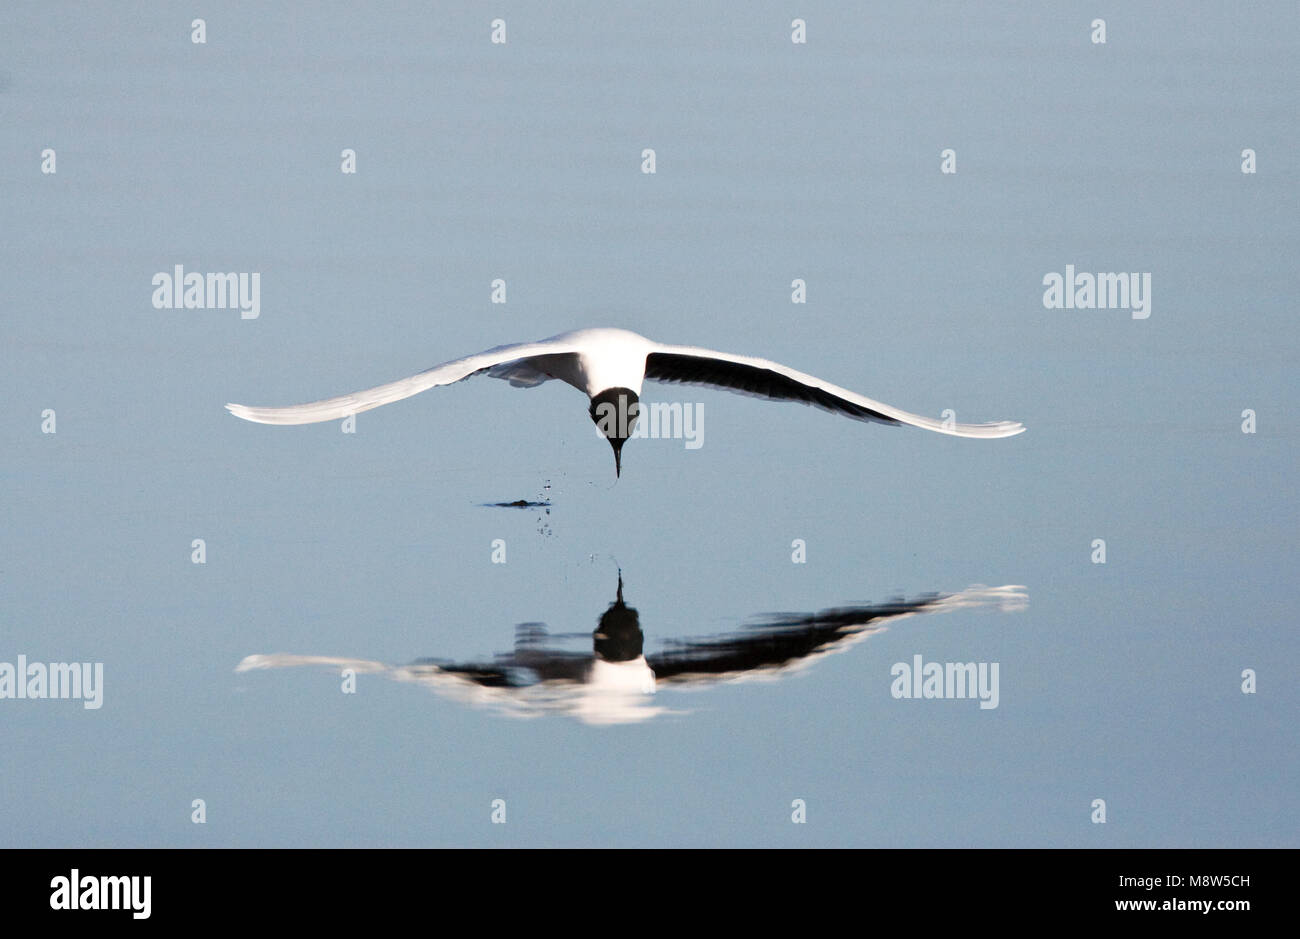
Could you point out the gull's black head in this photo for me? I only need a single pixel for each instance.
(615, 411)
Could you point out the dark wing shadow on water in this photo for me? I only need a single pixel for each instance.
(615, 682)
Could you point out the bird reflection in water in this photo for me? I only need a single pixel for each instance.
(615, 682)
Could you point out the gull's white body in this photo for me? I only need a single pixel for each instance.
(608, 358)
(596, 360)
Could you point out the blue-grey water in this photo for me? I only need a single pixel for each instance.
(774, 161)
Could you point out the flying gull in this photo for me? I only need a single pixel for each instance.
(610, 367)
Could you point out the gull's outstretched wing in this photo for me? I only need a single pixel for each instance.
(445, 374)
(761, 378)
